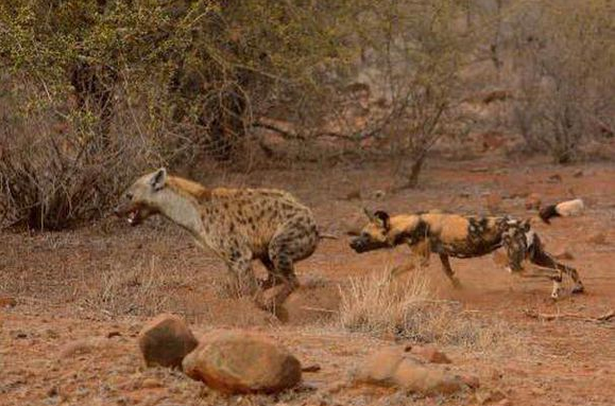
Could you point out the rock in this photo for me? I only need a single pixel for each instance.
(533, 202)
(471, 380)
(240, 362)
(165, 341)
(311, 368)
(555, 178)
(353, 195)
(430, 354)
(8, 302)
(488, 396)
(563, 254)
(493, 201)
(81, 347)
(393, 367)
(114, 333)
(379, 194)
(597, 238)
(150, 383)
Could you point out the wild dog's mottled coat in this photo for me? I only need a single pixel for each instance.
(239, 225)
(453, 235)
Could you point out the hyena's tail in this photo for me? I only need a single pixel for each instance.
(564, 209)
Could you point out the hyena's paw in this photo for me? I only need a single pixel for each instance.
(578, 288)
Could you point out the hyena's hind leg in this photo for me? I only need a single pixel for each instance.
(446, 266)
(295, 241)
(538, 256)
(272, 278)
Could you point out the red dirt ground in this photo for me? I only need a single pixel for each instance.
(82, 296)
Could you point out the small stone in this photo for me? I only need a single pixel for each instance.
(430, 354)
(81, 347)
(379, 194)
(112, 334)
(597, 238)
(354, 195)
(578, 173)
(151, 383)
(311, 368)
(8, 302)
(563, 254)
(555, 178)
(471, 380)
(485, 396)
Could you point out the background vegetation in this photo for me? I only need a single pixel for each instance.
(94, 92)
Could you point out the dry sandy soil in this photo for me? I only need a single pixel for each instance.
(82, 296)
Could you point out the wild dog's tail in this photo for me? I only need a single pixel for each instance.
(564, 209)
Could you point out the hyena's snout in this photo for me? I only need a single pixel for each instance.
(133, 213)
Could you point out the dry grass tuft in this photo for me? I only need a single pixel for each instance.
(407, 308)
(145, 289)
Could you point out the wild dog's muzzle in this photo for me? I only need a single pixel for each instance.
(362, 244)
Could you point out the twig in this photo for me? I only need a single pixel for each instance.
(574, 316)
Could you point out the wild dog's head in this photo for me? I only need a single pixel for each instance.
(140, 199)
(383, 231)
(375, 234)
(517, 237)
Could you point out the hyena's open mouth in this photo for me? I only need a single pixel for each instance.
(133, 217)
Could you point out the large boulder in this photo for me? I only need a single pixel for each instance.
(165, 341)
(394, 367)
(240, 362)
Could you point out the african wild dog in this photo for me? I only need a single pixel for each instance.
(239, 225)
(453, 235)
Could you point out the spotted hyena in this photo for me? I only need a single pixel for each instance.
(453, 235)
(239, 225)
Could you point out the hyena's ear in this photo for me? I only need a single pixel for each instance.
(159, 179)
(384, 219)
(525, 225)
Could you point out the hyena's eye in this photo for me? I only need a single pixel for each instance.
(129, 196)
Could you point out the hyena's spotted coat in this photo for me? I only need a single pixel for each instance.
(453, 235)
(239, 225)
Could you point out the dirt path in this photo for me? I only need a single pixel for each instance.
(73, 290)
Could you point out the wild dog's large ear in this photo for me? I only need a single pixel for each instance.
(384, 218)
(159, 179)
(525, 225)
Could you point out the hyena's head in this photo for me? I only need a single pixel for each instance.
(141, 199)
(517, 238)
(375, 235)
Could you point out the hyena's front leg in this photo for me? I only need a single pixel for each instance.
(446, 266)
(243, 281)
(541, 258)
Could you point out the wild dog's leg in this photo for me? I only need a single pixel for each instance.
(420, 255)
(541, 258)
(446, 266)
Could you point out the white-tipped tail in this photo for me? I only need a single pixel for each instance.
(570, 208)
